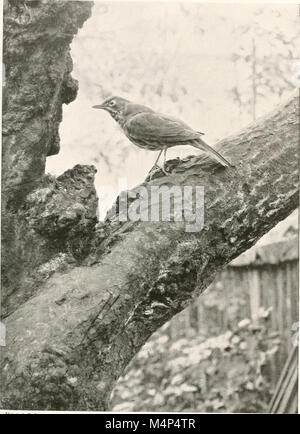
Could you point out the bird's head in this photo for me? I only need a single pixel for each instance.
(114, 105)
(121, 109)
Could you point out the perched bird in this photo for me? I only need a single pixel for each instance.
(155, 131)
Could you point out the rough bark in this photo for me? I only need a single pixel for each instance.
(88, 296)
(37, 61)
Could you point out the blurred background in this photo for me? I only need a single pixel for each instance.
(217, 67)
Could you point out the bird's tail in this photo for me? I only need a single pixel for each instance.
(200, 144)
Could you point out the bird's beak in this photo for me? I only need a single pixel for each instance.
(99, 107)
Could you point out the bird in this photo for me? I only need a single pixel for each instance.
(155, 131)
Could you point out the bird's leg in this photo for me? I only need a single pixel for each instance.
(156, 161)
(163, 166)
(164, 163)
(165, 155)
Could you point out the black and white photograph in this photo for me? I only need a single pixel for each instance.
(149, 210)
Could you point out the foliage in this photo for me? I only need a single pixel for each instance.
(264, 59)
(224, 373)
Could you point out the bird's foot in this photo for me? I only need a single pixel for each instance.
(163, 169)
(156, 172)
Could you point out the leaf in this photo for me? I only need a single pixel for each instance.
(177, 379)
(184, 388)
(244, 323)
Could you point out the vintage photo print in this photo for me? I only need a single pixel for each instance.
(149, 212)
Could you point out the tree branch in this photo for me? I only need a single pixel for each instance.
(68, 344)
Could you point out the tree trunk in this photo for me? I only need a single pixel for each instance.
(79, 297)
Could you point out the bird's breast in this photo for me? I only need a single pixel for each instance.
(118, 118)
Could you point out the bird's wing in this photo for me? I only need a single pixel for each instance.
(156, 126)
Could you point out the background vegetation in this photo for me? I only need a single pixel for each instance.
(207, 373)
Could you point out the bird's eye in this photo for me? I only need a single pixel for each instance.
(112, 103)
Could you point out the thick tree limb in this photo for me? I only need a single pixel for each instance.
(37, 63)
(67, 345)
(71, 335)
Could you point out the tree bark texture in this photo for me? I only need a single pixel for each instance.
(80, 298)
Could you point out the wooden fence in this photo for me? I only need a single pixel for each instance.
(264, 277)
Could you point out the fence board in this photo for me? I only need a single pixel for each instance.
(267, 277)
